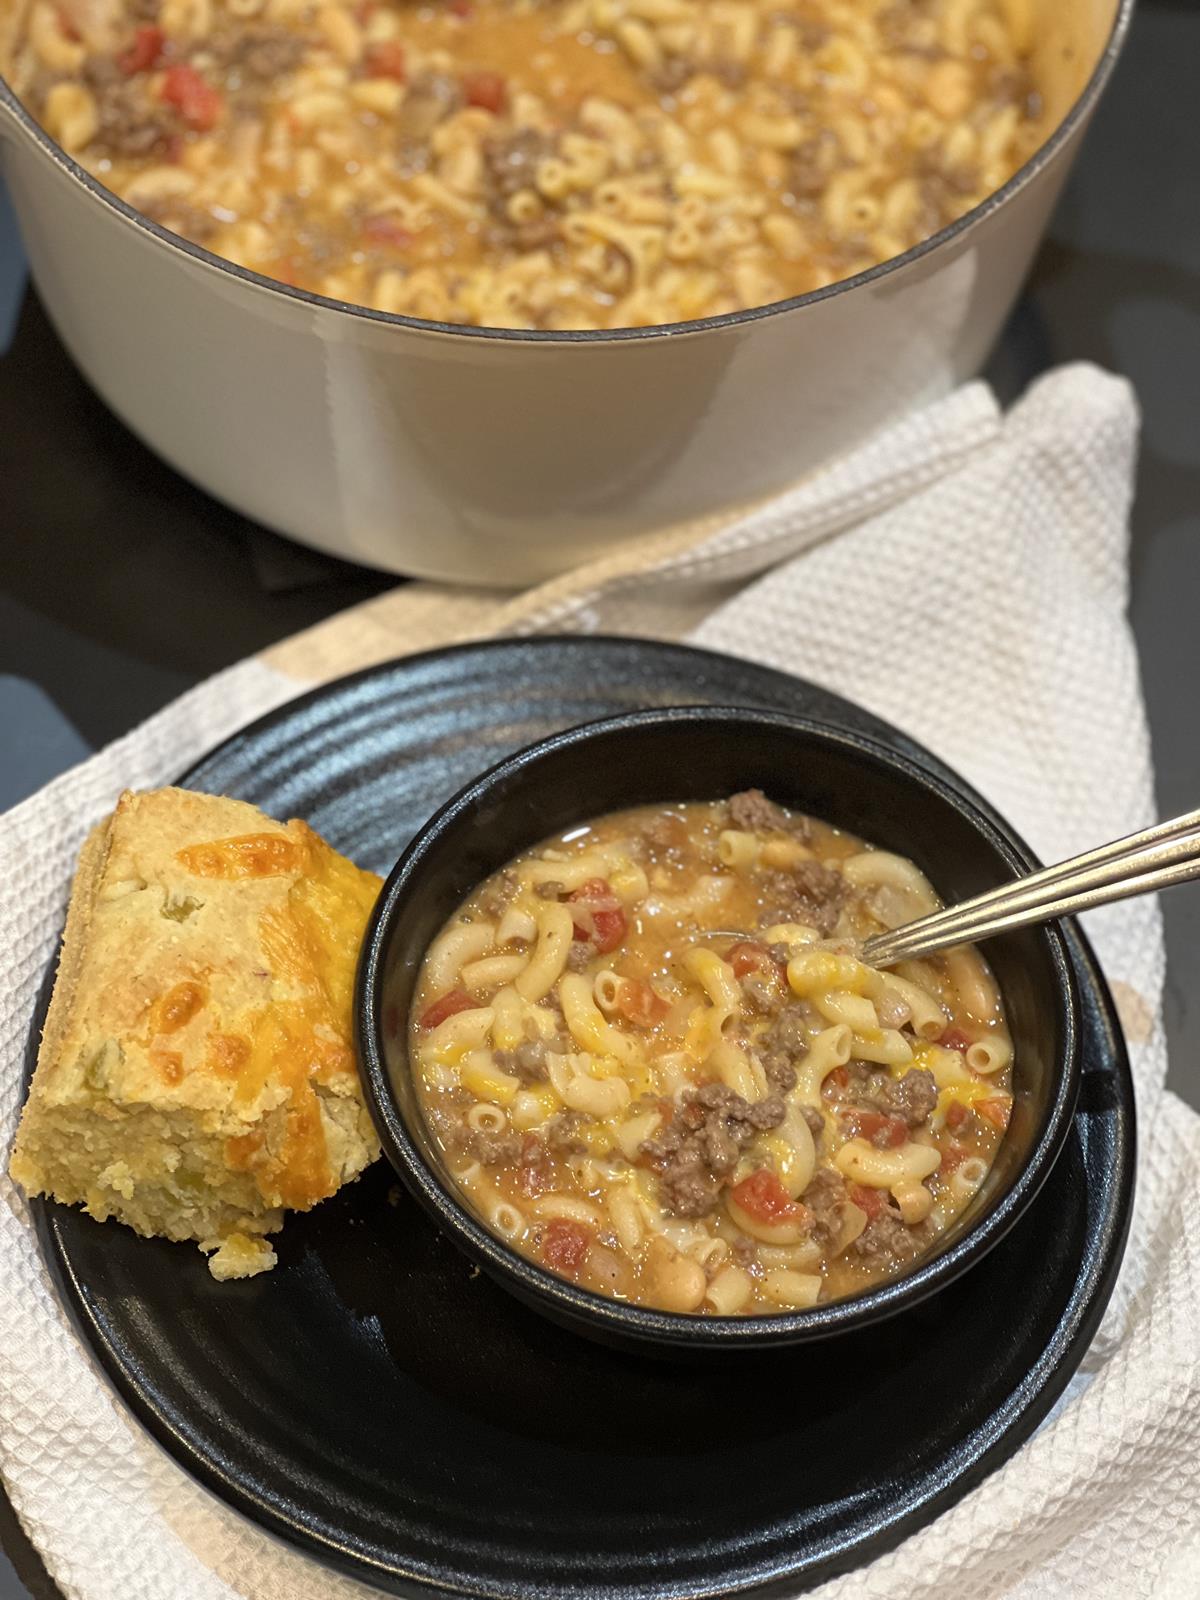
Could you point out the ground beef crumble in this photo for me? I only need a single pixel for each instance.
(695, 1153)
(912, 1097)
(129, 125)
(528, 1060)
(561, 1134)
(825, 1197)
(783, 1046)
(815, 1122)
(808, 893)
(754, 813)
(887, 1240)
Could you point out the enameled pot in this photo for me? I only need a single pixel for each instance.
(501, 456)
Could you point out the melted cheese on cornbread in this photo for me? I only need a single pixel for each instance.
(196, 1075)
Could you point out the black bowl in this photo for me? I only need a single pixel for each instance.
(706, 753)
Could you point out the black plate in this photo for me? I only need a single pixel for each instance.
(416, 1426)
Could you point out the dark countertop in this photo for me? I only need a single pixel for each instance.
(110, 563)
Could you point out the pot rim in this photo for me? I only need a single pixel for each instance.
(1041, 158)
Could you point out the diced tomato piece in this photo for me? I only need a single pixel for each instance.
(837, 1079)
(956, 1114)
(640, 1004)
(956, 1039)
(386, 60)
(602, 922)
(608, 929)
(885, 1131)
(145, 50)
(565, 1245)
(750, 956)
(487, 90)
(953, 1156)
(872, 1201)
(195, 99)
(386, 228)
(764, 1198)
(996, 1111)
(447, 1005)
(595, 895)
(459, 8)
(66, 25)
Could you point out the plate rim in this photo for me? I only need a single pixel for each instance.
(1075, 1329)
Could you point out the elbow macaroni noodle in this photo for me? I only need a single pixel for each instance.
(702, 1098)
(546, 164)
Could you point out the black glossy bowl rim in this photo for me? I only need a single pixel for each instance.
(1076, 114)
(624, 1321)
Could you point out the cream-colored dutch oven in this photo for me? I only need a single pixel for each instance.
(502, 456)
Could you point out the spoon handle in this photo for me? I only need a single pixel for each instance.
(1156, 858)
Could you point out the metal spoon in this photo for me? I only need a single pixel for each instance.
(1156, 858)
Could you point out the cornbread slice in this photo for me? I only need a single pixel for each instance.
(196, 1077)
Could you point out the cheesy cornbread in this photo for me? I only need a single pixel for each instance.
(196, 1076)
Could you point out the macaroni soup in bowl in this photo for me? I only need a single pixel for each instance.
(625, 1048)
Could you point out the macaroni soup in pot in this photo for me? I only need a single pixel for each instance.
(548, 164)
(656, 1065)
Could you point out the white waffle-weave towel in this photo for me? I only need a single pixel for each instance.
(1000, 545)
